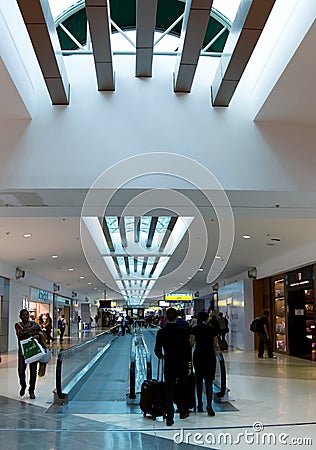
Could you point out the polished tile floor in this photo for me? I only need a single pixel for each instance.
(272, 405)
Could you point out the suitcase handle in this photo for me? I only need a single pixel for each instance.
(158, 369)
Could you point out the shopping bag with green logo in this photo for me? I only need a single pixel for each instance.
(31, 350)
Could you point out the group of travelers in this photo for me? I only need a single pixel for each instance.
(174, 343)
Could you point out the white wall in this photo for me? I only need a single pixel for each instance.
(17, 291)
(70, 146)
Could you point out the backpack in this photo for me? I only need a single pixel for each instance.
(255, 325)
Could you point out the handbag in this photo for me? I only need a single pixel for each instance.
(45, 358)
(31, 349)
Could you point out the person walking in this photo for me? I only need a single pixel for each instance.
(24, 330)
(263, 331)
(173, 345)
(204, 360)
(48, 325)
(62, 323)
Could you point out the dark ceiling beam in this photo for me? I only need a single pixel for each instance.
(127, 265)
(171, 224)
(115, 261)
(122, 229)
(136, 229)
(144, 265)
(151, 232)
(98, 14)
(107, 234)
(146, 11)
(154, 267)
(40, 25)
(195, 22)
(250, 20)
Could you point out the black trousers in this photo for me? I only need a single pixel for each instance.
(170, 387)
(264, 341)
(21, 372)
(208, 389)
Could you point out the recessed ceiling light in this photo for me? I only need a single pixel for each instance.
(217, 257)
(81, 278)
(70, 270)
(89, 282)
(189, 278)
(27, 235)
(54, 256)
(200, 269)
(246, 236)
(95, 288)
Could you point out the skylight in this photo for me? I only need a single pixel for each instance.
(135, 250)
(227, 8)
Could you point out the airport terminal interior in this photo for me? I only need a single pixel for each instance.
(156, 154)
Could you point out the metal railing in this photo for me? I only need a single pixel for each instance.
(74, 364)
(140, 364)
(221, 392)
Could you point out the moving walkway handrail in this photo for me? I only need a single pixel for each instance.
(74, 350)
(222, 387)
(148, 360)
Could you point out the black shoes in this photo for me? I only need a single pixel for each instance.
(210, 411)
(184, 415)
(200, 408)
(22, 391)
(169, 423)
(32, 395)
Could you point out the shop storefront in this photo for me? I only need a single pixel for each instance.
(293, 305)
(40, 303)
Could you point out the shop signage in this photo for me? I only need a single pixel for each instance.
(39, 295)
(300, 278)
(179, 298)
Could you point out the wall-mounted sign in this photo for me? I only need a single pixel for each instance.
(39, 295)
(179, 297)
(299, 312)
(300, 279)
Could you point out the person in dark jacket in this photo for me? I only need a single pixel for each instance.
(204, 359)
(264, 336)
(173, 344)
(26, 329)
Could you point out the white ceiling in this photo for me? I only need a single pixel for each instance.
(52, 217)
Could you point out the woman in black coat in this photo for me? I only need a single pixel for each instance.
(204, 360)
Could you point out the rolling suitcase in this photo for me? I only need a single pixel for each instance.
(152, 396)
(191, 400)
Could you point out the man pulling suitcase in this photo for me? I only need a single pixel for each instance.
(173, 344)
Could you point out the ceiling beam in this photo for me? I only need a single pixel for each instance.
(107, 234)
(98, 14)
(122, 229)
(195, 22)
(151, 232)
(146, 11)
(136, 229)
(250, 20)
(40, 25)
(171, 225)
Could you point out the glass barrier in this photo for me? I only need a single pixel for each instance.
(220, 375)
(73, 362)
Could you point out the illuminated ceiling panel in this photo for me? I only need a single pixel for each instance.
(135, 250)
